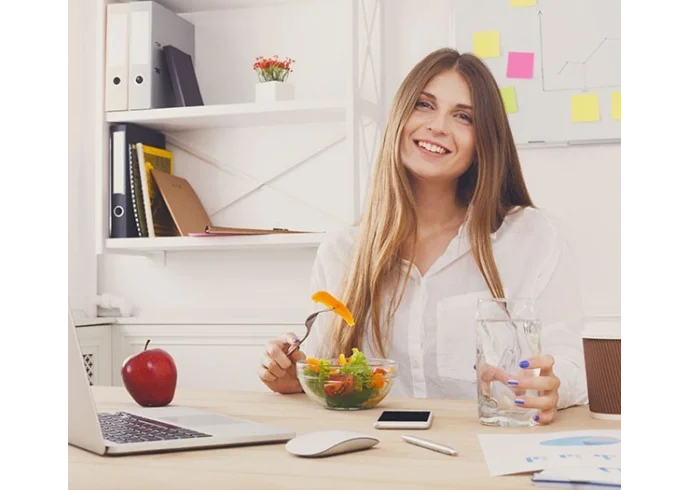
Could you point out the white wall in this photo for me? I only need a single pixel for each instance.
(580, 185)
(583, 187)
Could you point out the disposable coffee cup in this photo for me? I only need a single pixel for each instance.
(602, 350)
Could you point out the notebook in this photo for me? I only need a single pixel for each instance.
(183, 77)
(189, 214)
(579, 477)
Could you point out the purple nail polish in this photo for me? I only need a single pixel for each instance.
(513, 382)
(295, 340)
(524, 364)
(536, 418)
(519, 402)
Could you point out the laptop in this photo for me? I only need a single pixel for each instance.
(151, 429)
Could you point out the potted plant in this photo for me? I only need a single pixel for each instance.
(273, 74)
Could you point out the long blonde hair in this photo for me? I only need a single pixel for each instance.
(490, 188)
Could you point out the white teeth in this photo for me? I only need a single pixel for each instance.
(431, 147)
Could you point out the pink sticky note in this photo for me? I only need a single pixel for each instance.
(520, 65)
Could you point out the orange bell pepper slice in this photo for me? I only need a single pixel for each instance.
(313, 364)
(334, 304)
(377, 381)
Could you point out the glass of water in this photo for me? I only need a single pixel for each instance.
(508, 331)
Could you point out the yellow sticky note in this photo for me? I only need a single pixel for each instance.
(616, 105)
(487, 44)
(509, 99)
(584, 107)
(522, 3)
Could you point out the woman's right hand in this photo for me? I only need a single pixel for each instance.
(277, 371)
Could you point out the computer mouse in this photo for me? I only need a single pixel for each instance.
(328, 443)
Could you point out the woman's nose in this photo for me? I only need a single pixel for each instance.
(437, 123)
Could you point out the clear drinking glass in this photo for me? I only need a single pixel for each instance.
(508, 331)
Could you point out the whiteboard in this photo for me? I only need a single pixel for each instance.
(576, 46)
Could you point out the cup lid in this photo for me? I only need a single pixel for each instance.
(602, 330)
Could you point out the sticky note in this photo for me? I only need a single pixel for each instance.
(522, 3)
(487, 44)
(616, 105)
(584, 107)
(520, 65)
(509, 100)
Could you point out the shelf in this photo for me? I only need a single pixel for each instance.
(233, 115)
(91, 322)
(187, 6)
(173, 244)
(218, 317)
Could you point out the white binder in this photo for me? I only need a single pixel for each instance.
(153, 26)
(116, 57)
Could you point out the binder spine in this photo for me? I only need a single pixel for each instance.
(140, 69)
(118, 186)
(153, 26)
(117, 57)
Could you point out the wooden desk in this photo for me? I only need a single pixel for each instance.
(392, 464)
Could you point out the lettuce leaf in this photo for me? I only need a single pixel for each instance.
(359, 368)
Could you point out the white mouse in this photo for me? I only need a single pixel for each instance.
(329, 442)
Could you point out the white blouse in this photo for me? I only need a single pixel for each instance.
(433, 333)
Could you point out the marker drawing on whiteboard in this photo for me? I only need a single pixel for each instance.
(585, 87)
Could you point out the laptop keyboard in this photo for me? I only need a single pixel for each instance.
(124, 428)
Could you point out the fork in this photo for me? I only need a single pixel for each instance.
(307, 323)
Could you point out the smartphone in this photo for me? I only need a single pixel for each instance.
(404, 419)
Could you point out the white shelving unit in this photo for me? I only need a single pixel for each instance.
(354, 110)
(179, 244)
(190, 6)
(233, 115)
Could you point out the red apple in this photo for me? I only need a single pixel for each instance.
(150, 377)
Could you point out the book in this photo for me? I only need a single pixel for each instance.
(137, 193)
(159, 222)
(183, 77)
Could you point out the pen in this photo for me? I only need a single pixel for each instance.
(430, 445)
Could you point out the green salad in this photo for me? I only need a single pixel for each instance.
(348, 383)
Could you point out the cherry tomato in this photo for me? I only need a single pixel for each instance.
(339, 384)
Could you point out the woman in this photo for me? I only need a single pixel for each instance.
(449, 220)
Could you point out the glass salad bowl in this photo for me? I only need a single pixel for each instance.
(353, 383)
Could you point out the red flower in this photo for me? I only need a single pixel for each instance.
(270, 69)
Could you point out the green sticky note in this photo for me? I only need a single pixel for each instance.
(509, 99)
(616, 105)
(584, 107)
(522, 3)
(487, 44)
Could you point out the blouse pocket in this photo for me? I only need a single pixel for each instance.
(456, 338)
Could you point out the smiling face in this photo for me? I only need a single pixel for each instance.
(438, 141)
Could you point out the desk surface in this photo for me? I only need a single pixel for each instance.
(391, 464)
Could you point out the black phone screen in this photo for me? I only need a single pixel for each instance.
(404, 416)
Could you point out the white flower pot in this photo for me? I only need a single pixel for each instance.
(273, 91)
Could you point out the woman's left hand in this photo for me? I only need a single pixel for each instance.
(547, 384)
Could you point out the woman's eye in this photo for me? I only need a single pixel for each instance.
(423, 104)
(464, 117)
